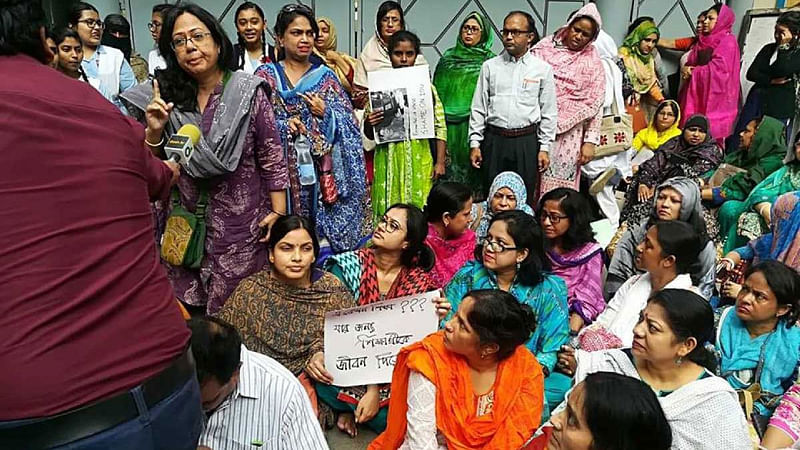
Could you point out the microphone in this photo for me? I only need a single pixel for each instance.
(180, 146)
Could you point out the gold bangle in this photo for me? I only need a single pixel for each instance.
(154, 145)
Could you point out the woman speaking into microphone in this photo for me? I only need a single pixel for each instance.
(234, 185)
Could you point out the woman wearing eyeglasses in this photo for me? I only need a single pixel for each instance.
(237, 173)
(455, 78)
(512, 258)
(397, 264)
(154, 58)
(375, 56)
(575, 256)
(106, 67)
(327, 181)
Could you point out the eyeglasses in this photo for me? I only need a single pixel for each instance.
(494, 246)
(553, 218)
(514, 33)
(470, 29)
(196, 38)
(153, 26)
(91, 23)
(389, 224)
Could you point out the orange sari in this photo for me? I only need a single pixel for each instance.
(518, 398)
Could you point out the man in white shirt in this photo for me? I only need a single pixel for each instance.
(154, 59)
(666, 254)
(514, 113)
(250, 399)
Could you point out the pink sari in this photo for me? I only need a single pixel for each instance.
(580, 95)
(451, 254)
(713, 89)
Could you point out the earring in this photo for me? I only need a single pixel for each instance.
(518, 265)
(679, 361)
(483, 355)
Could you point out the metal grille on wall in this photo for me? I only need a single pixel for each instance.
(548, 14)
(686, 9)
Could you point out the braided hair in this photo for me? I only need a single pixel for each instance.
(240, 49)
(60, 36)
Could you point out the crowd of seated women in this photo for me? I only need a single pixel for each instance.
(684, 323)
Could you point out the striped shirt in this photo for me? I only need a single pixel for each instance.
(269, 409)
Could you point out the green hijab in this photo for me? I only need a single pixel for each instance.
(764, 156)
(631, 42)
(457, 73)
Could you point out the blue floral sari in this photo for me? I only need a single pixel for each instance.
(334, 137)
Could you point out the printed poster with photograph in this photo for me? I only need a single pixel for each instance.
(405, 98)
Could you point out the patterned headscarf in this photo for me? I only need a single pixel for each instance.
(510, 180)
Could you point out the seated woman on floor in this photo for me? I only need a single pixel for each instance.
(506, 193)
(396, 265)
(512, 258)
(690, 154)
(741, 221)
(781, 244)
(761, 149)
(607, 411)
(675, 199)
(758, 340)
(472, 385)
(663, 127)
(292, 290)
(669, 355)
(573, 253)
(448, 210)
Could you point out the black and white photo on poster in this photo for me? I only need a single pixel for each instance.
(406, 98)
(393, 103)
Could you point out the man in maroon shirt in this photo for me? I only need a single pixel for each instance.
(93, 348)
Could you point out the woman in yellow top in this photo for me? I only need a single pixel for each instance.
(663, 127)
(637, 55)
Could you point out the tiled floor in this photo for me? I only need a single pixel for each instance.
(340, 441)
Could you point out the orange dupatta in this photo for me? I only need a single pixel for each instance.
(518, 398)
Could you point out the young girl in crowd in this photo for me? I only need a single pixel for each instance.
(573, 253)
(473, 385)
(106, 67)
(580, 96)
(670, 356)
(448, 211)
(69, 54)
(404, 171)
(250, 52)
(320, 135)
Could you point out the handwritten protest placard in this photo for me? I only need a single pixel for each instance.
(404, 96)
(361, 343)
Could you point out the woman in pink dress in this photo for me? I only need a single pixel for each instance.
(580, 92)
(711, 74)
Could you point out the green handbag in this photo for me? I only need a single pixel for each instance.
(184, 238)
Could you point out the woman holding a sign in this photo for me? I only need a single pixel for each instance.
(472, 385)
(396, 265)
(404, 171)
(512, 258)
(280, 311)
(320, 134)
